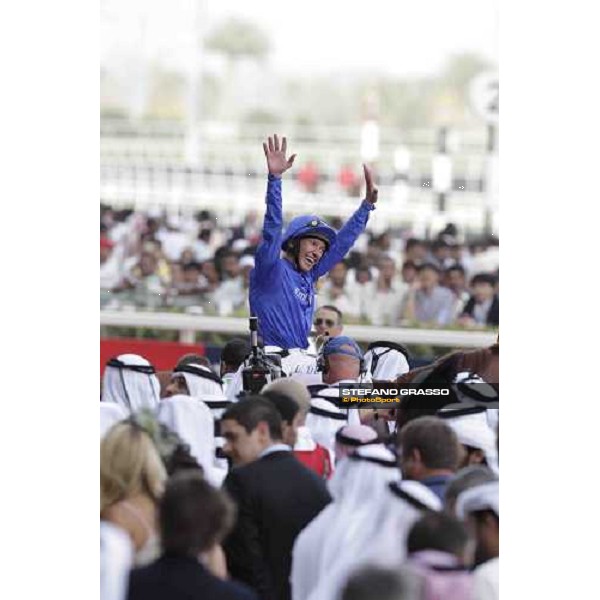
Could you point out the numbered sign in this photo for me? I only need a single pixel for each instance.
(484, 92)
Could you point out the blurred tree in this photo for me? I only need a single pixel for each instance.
(236, 39)
(452, 94)
(167, 93)
(461, 68)
(261, 117)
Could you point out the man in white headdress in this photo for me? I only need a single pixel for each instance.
(201, 383)
(323, 420)
(194, 380)
(130, 381)
(473, 389)
(355, 481)
(194, 423)
(110, 413)
(381, 539)
(474, 434)
(465, 479)
(479, 506)
(349, 438)
(386, 361)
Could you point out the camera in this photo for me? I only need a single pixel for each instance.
(260, 368)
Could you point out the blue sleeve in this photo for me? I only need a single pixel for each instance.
(267, 254)
(346, 237)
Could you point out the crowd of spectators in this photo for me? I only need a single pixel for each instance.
(301, 500)
(195, 263)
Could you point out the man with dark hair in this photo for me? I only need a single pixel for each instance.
(440, 550)
(189, 359)
(194, 518)
(440, 253)
(426, 300)
(409, 271)
(190, 285)
(328, 321)
(232, 356)
(429, 452)
(455, 280)
(289, 411)
(306, 450)
(442, 532)
(415, 250)
(249, 427)
(483, 306)
(377, 583)
(276, 496)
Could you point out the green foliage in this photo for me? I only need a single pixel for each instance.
(237, 38)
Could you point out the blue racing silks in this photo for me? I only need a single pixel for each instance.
(281, 296)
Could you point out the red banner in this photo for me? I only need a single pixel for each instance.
(163, 355)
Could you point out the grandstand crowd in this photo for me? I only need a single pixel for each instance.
(249, 479)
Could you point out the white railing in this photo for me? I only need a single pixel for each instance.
(188, 325)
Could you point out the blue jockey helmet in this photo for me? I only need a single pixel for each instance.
(309, 226)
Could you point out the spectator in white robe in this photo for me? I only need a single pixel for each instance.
(466, 479)
(474, 434)
(349, 438)
(110, 413)
(357, 479)
(386, 361)
(130, 381)
(479, 507)
(201, 383)
(194, 380)
(323, 420)
(381, 540)
(193, 422)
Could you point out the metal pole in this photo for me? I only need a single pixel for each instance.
(192, 136)
(442, 170)
(490, 179)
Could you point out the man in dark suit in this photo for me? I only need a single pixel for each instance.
(276, 495)
(194, 518)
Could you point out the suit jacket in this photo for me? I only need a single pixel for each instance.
(182, 578)
(493, 315)
(277, 497)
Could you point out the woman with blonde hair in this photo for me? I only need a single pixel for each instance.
(132, 479)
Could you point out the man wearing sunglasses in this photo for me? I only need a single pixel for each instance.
(282, 288)
(328, 321)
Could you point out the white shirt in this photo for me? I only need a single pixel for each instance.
(486, 578)
(274, 448)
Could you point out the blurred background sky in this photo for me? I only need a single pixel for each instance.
(149, 48)
(313, 36)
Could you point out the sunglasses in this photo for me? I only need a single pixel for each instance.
(326, 322)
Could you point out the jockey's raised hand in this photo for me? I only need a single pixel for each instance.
(276, 159)
(372, 191)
